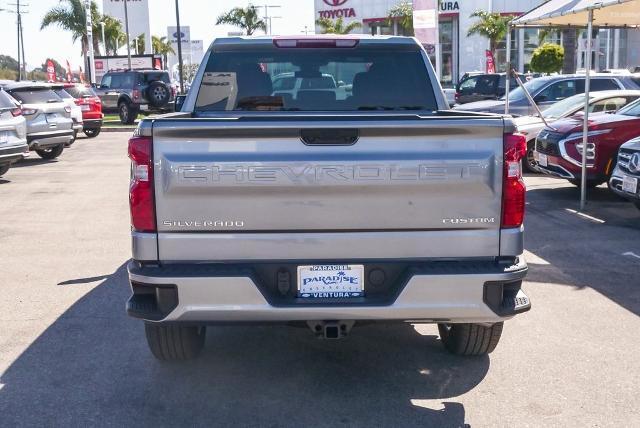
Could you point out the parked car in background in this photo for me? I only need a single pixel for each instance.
(132, 92)
(13, 133)
(626, 175)
(480, 87)
(599, 102)
(49, 123)
(548, 90)
(559, 149)
(76, 112)
(91, 108)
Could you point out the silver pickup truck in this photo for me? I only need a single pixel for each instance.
(326, 206)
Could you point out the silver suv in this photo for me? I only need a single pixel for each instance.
(13, 133)
(49, 123)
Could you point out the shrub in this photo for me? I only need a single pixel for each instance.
(547, 58)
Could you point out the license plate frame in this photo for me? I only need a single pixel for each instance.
(330, 281)
(629, 184)
(541, 158)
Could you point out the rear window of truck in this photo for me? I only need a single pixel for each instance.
(331, 79)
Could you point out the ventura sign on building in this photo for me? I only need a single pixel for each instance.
(138, 11)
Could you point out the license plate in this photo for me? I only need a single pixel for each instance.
(52, 116)
(85, 107)
(144, 107)
(541, 158)
(330, 281)
(629, 184)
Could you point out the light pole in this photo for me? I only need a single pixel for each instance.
(179, 34)
(104, 41)
(126, 26)
(267, 18)
(89, 23)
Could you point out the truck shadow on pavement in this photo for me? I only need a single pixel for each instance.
(585, 251)
(92, 367)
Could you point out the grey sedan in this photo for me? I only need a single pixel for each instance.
(551, 89)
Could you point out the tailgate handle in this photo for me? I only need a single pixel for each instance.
(329, 137)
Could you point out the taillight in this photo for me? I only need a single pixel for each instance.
(136, 94)
(514, 190)
(456, 95)
(16, 112)
(28, 111)
(141, 205)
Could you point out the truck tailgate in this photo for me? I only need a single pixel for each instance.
(419, 182)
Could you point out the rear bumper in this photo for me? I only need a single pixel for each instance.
(42, 140)
(13, 153)
(458, 292)
(92, 123)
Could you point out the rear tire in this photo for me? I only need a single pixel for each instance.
(4, 168)
(51, 153)
(528, 161)
(174, 342)
(470, 339)
(128, 114)
(92, 133)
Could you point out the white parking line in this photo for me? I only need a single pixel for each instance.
(587, 216)
(533, 259)
(631, 254)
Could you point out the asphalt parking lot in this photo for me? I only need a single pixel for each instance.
(69, 356)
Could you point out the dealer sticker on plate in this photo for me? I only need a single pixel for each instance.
(541, 158)
(629, 184)
(330, 281)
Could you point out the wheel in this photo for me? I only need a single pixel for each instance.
(158, 94)
(591, 184)
(128, 114)
(174, 342)
(51, 152)
(470, 339)
(4, 168)
(91, 133)
(529, 162)
(73, 140)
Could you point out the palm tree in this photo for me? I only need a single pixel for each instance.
(70, 15)
(162, 47)
(493, 26)
(246, 19)
(336, 27)
(113, 33)
(138, 44)
(403, 14)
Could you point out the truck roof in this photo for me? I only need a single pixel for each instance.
(361, 39)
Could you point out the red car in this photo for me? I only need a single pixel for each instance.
(559, 146)
(91, 107)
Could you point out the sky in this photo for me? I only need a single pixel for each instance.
(199, 14)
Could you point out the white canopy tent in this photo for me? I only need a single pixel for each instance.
(578, 13)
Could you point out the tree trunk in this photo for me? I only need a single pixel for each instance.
(570, 45)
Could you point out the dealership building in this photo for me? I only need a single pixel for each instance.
(614, 48)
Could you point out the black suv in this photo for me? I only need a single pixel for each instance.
(132, 92)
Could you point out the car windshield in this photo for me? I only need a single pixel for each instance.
(62, 93)
(153, 77)
(35, 95)
(632, 109)
(564, 107)
(532, 87)
(5, 100)
(370, 79)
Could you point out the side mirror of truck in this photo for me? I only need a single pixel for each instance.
(179, 102)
